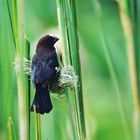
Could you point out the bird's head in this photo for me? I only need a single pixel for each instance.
(47, 42)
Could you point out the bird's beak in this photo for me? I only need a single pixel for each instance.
(55, 39)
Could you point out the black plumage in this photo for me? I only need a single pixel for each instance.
(44, 73)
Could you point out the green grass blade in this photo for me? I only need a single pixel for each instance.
(38, 126)
(11, 130)
(129, 23)
(22, 80)
(68, 29)
(112, 70)
(66, 58)
(11, 23)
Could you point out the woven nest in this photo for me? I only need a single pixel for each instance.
(67, 76)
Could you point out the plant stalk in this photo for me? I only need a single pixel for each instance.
(66, 10)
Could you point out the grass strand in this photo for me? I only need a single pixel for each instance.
(68, 29)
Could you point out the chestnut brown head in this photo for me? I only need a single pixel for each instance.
(47, 41)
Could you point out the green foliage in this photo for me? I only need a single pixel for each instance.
(103, 54)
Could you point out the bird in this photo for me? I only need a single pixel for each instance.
(44, 73)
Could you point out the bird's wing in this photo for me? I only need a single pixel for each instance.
(35, 68)
(44, 69)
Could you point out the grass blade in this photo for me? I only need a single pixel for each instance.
(112, 71)
(127, 22)
(68, 29)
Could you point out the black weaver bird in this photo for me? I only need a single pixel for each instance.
(44, 73)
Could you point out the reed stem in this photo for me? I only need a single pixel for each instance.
(22, 50)
(66, 10)
(112, 71)
(128, 16)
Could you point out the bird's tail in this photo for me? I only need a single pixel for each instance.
(42, 101)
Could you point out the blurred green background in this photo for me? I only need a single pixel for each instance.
(103, 110)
